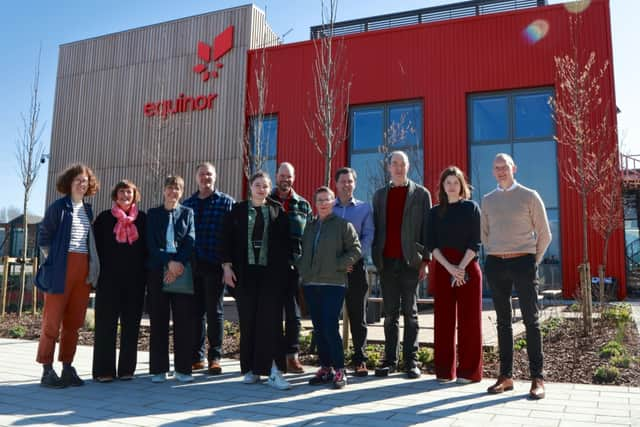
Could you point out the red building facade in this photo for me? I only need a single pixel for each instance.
(458, 74)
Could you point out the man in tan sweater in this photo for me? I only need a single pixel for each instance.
(515, 235)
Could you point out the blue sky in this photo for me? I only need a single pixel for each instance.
(28, 24)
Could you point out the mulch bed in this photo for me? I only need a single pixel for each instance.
(570, 357)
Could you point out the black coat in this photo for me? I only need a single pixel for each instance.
(120, 261)
(280, 244)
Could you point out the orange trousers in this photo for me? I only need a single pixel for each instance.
(67, 310)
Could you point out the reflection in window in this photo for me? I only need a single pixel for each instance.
(379, 129)
(490, 119)
(263, 140)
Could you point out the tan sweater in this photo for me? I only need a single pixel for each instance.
(515, 221)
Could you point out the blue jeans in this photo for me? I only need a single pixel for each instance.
(325, 303)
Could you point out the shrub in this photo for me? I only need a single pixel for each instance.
(305, 343)
(620, 313)
(611, 349)
(621, 361)
(606, 374)
(17, 331)
(520, 344)
(575, 307)
(425, 356)
(230, 328)
(550, 325)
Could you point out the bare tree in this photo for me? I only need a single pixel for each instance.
(582, 123)
(327, 128)
(607, 215)
(29, 150)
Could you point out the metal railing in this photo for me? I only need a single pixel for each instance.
(420, 16)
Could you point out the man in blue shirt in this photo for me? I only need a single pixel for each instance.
(209, 208)
(360, 215)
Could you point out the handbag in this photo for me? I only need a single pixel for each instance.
(183, 283)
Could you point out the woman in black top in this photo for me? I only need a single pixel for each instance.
(120, 240)
(454, 240)
(256, 251)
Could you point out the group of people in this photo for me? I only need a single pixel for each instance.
(270, 249)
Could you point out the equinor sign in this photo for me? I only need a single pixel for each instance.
(222, 44)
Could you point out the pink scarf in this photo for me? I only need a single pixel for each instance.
(125, 230)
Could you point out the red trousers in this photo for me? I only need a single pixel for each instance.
(67, 310)
(463, 305)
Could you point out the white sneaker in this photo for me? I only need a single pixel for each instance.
(276, 380)
(461, 380)
(159, 378)
(250, 378)
(184, 378)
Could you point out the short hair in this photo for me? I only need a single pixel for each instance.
(63, 183)
(259, 174)
(323, 189)
(345, 170)
(125, 183)
(287, 164)
(174, 181)
(207, 165)
(506, 157)
(398, 153)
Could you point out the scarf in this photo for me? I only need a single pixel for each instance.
(125, 230)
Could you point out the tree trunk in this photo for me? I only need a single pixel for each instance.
(602, 268)
(25, 244)
(585, 282)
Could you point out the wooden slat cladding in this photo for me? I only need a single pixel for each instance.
(103, 84)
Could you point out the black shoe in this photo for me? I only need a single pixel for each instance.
(385, 369)
(413, 373)
(51, 379)
(70, 377)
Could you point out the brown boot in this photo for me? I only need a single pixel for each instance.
(215, 368)
(537, 389)
(502, 384)
(294, 366)
(197, 366)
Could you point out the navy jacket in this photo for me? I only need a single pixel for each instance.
(184, 232)
(54, 237)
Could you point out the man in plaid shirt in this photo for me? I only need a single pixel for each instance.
(209, 208)
(299, 212)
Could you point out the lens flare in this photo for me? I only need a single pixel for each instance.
(536, 31)
(577, 6)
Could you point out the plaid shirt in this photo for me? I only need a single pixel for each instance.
(299, 212)
(208, 222)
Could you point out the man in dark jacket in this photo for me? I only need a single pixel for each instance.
(400, 213)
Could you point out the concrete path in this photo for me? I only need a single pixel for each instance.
(224, 400)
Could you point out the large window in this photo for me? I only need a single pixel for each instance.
(374, 131)
(518, 123)
(263, 143)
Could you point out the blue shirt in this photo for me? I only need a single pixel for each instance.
(360, 215)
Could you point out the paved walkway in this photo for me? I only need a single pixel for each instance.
(388, 402)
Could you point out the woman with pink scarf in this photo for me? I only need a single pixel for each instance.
(120, 241)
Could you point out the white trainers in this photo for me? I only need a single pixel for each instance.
(184, 378)
(159, 378)
(277, 381)
(250, 378)
(463, 381)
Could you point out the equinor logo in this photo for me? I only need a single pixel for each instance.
(222, 44)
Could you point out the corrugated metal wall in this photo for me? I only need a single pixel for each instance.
(441, 64)
(103, 84)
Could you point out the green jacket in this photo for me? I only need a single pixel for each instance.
(337, 248)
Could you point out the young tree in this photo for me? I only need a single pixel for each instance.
(583, 127)
(327, 128)
(29, 150)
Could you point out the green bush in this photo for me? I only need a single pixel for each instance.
(305, 342)
(230, 328)
(621, 361)
(373, 359)
(425, 355)
(576, 307)
(620, 313)
(611, 349)
(18, 331)
(550, 325)
(520, 344)
(606, 374)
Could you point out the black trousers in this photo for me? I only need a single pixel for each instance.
(117, 299)
(179, 307)
(208, 295)
(503, 275)
(292, 323)
(259, 298)
(356, 302)
(399, 284)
